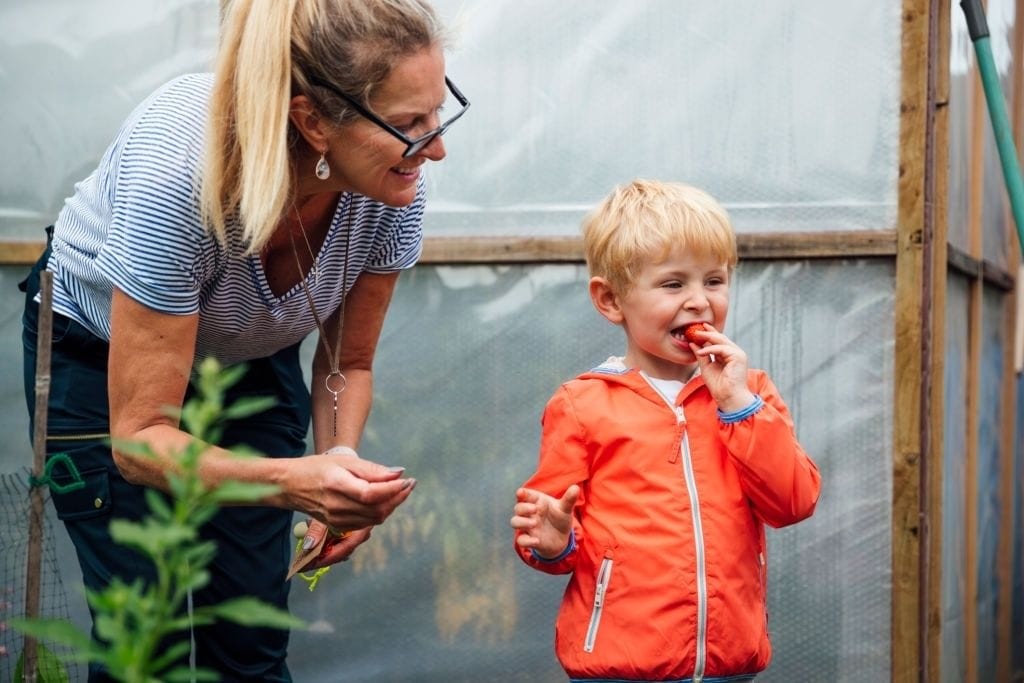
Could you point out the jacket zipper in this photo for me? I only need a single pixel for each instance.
(702, 579)
(604, 576)
(698, 538)
(762, 572)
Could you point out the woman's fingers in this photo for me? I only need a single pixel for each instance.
(367, 470)
(339, 548)
(351, 503)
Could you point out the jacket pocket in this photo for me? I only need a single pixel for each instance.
(604, 577)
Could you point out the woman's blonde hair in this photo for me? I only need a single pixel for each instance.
(248, 173)
(643, 221)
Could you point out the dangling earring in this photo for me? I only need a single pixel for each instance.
(323, 169)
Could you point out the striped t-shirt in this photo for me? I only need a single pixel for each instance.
(134, 224)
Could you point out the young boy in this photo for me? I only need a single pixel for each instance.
(659, 470)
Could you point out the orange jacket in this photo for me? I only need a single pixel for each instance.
(669, 568)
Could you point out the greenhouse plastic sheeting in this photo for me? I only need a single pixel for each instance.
(990, 476)
(788, 111)
(964, 90)
(954, 469)
(469, 356)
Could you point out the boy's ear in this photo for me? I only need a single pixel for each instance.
(306, 118)
(605, 300)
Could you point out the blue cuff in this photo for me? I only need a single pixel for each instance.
(562, 555)
(742, 413)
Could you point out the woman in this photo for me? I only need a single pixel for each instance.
(234, 214)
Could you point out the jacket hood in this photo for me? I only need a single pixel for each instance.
(615, 371)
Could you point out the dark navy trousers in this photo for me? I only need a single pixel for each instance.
(254, 544)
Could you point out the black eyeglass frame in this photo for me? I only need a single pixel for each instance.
(412, 145)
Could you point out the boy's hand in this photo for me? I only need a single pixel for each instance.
(544, 522)
(723, 365)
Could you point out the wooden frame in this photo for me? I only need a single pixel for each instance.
(921, 238)
(508, 249)
(1012, 361)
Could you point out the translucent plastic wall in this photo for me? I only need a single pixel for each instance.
(990, 473)
(964, 92)
(954, 477)
(469, 357)
(998, 226)
(787, 112)
(963, 77)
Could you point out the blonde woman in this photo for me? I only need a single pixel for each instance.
(234, 214)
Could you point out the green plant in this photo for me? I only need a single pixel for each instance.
(133, 620)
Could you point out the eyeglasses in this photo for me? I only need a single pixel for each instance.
(412, 145)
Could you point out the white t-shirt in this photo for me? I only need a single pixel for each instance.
(134, 223)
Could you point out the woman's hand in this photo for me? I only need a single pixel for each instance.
(343, 491)
(337, 548)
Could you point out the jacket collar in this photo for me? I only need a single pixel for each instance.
(615, 371)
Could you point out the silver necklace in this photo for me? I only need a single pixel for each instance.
(314, 267)
(335, 381)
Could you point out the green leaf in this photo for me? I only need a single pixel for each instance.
(200, 555)
(171, 654)
(156, 502)
(49, 668)
(215, 380)
(199, 579)
(242, 492)
(183, 674)
(202, 513)
(244, 451)
(249, 611)
(138, 449)
(245, 407)
(149, 537)
(54, 630)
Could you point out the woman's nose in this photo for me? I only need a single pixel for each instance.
(435, 150)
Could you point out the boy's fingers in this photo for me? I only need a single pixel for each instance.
(568, 500)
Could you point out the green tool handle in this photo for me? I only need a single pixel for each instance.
(977, 27)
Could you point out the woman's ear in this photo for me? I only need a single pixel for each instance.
(306, 118)
(605, 300)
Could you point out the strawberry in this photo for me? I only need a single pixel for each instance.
(690, 333)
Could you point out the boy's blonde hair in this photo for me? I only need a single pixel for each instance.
(643, 221)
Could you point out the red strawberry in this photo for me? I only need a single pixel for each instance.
(690, 332)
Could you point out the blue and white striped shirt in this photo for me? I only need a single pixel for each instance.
(134, 224)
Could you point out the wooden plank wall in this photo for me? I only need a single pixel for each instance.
(915, 305)
(934, 397)
(1012, 328)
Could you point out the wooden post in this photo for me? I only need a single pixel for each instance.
(920, 272)
(33, 569)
